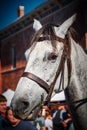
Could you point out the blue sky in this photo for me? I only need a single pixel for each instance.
(8, 10)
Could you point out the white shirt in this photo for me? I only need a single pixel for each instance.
(49, 124)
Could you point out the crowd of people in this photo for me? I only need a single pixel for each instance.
(53, 118)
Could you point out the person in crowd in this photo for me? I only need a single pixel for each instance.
(3, 105)
(40, 121)
(68, 119)
(48, 120)
(13, 123)
(60, 118)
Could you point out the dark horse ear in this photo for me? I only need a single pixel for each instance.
(62, 30)
(36, 25)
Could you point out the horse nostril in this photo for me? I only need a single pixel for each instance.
(25, 104)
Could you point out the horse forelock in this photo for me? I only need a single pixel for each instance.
(47, 31)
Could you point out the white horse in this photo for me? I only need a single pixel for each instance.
(55, 62)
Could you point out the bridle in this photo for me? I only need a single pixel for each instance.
(65, 56)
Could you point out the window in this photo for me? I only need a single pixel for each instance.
(13, 56)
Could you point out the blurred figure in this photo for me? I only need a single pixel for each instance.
(57, 121)
(13, 123)
(68, 119)
(48, 120)
(61, 118)
(40, 121)
(3, 104)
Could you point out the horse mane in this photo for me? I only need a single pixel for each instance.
(74, 34)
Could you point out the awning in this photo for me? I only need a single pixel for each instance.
(58, 97)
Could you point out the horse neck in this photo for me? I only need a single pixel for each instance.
(79, 67)
(78, 56)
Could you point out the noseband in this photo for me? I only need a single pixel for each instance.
(65, 56)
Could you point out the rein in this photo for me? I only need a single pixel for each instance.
(65, 56)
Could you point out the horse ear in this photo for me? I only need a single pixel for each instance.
(36, 25)
(62, 30)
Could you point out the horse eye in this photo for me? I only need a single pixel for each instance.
(52, 56)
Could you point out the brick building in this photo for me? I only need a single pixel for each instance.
(15, 39)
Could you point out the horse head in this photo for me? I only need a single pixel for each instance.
(43, 70)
